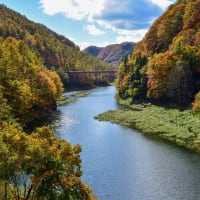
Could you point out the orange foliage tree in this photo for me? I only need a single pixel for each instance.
(39, 166)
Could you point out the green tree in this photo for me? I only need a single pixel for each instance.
(138, 79)
(180, 83)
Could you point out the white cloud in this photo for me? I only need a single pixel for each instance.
(83, 45)
(128, 15)
(130, 36)
(70, 38)
(162, 4)
(129, 19)
(74, 9)
(93, 30)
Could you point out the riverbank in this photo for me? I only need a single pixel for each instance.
(180, 127)
(66, 98)
(69, 97)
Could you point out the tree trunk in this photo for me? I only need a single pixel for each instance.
(5, 194)
(29, 192)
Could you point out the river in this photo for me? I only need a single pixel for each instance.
(122, 164)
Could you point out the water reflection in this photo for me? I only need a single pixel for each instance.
(122, 164)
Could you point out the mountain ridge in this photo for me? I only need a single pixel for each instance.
(112, 53)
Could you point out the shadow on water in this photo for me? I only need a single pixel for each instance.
(51, 120)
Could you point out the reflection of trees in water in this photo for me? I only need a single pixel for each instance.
(51, 119)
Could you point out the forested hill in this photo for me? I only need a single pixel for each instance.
(58, 52)
(112, 53)
(165, 65)
(35, 165)
(93, 50)
(29, 91)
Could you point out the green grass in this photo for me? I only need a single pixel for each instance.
(112, 83)
(181, 127)
(65, 100)
(82, 93)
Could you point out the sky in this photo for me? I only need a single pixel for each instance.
(93, 22)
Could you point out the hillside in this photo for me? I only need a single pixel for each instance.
(112, 53)
(28, 91)
(93, 50)
(58, 52)
(165, 65)
(26, 85)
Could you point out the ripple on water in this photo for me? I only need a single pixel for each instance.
(65, 123)
(121, 164)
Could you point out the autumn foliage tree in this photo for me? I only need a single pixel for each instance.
(158, 73)
(34, 165)
(24, 81)
(171, 47)
(40, 166)
(196, 104)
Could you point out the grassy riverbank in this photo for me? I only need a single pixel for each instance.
(65, 99)
(181, 127)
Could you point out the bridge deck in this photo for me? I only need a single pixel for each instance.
(93, 72)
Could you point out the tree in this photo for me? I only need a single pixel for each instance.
(180, 83)
(40, 166)
(138, 79)
(192, 15)
(196, 104)
(158, 69)
(25, 83)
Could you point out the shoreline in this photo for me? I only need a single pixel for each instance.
(70, 97)
(179, 127)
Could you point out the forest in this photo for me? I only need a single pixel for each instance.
(165, 65)
(33, 165)
(58, 53)
(163, 69)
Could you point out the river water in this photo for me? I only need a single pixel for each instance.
(122, 164)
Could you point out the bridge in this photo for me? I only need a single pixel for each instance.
(74, 75)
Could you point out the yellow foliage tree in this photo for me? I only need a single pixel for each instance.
(40, 166)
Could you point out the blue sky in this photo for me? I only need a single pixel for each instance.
(93, 22)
